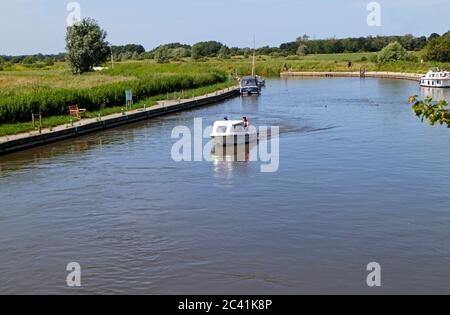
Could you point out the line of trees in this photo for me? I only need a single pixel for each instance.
(438, 48)
(435, 47)
(360, 44)
(38, 59)
(87, 46)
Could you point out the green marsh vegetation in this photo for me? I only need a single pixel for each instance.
(33, 84)
(51, 91)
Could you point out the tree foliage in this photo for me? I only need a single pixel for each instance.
(206, 49)
(133, 48)
(224, 52)
(86, 46)
(302, 50)
(434, 112)
(393, 52)
(180, 52)
(162, 54)
(438, 49)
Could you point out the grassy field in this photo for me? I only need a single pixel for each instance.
(52, 89)
(53, 121)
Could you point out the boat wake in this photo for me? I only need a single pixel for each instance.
(305, 129)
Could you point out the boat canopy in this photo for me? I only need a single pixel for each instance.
(249, 81)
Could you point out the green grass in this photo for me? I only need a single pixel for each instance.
(52, 89)
(53, 121)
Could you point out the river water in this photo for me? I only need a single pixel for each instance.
(360, 180)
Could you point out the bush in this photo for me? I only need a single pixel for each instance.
(392, 52)
(374, 58)
(28, 60)
(364, 58)
(179, 53)
(302, 50)
(224, 52)
(162, 55)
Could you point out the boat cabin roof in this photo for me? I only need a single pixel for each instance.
(229, 123)
(249, 81)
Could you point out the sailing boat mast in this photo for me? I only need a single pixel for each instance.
(254, 57)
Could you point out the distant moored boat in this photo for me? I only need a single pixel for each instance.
(249, 86)
(436, 79)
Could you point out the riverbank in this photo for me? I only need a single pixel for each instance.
(13, 143)
(372, 74)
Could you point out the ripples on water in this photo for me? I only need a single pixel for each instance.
(360, 180)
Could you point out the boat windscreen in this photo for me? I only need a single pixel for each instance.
(248, 82)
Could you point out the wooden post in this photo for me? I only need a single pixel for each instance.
(40, 122)
(32, 121)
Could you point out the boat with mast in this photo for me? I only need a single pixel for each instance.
(251, 85)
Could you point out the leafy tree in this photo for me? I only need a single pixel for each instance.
(49, 61)
(393, 52)
(224, 52)
(86, 46)
(433, 36)
(136, 56)
(247, 52)
(129, 49)
(434, 112)
(28, 60)
(302, 50)
(162, 55)
(438, 49)
(206, 49)
(171, 46)
(180, 52)
(303, 38)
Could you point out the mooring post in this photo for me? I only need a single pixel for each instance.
(362, 72)
(40, 122)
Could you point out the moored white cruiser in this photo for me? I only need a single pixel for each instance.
(436, 79)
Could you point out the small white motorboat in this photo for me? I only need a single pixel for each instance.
(233, 132)
(436, 79)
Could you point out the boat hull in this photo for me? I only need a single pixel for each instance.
(234, 140)
(443, 86)
(250, 91)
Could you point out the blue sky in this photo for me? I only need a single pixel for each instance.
(32, 26)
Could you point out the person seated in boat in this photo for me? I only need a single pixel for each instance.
(226, 118)
(246, 123)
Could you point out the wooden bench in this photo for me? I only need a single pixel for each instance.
(76, 112)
